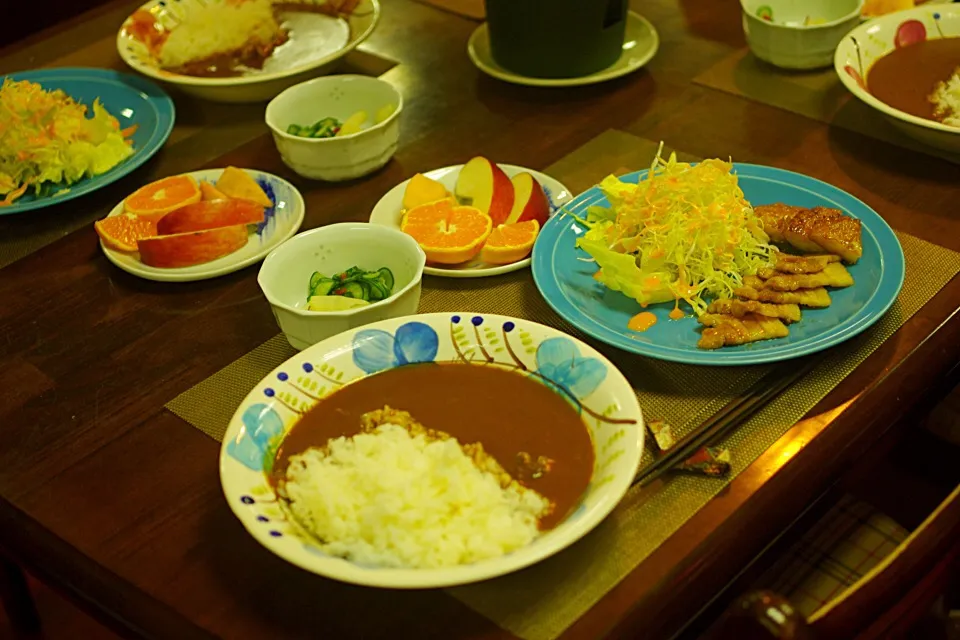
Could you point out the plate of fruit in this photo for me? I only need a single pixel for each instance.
(200, 225)
(473, 220)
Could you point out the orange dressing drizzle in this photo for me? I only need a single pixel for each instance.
(642, 321)
(676, 314)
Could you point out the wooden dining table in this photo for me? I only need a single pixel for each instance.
(116, 502)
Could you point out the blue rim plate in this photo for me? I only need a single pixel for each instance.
(130, 99)
(565, 280)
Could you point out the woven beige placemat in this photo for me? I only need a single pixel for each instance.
(818, 95)
(540, 602)
(21, 235)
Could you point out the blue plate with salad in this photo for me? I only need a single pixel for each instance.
(69, 131)
(718, 263)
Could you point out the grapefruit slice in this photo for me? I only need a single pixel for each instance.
(510, 243)
(422, 190)
(448, 234)
(210, 192)
(157, 199)
(237, 183)
(123, 231)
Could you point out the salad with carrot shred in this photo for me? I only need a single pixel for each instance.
(47, 138)
(684, 232)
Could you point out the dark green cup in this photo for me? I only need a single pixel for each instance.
(556, 38)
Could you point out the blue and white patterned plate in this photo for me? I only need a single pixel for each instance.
(564, 275)
(281, 222)
(132, 100)
(607, 402)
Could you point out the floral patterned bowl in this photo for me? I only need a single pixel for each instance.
(797, 34)
(872, 40)
(605, 399)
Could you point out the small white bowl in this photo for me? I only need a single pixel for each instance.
(285, 277)
(786, 42)
(343, 157)
(866, 44)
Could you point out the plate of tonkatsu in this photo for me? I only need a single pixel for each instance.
(718, 263)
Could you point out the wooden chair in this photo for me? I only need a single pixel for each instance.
(885, 603)
(16, 598)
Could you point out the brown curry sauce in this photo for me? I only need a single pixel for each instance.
(507, 412)
(905, 77)
(233, 64)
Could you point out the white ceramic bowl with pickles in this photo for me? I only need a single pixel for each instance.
(369, 110)
(285, 277)
(798, 34)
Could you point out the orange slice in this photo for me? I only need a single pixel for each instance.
(123, 231)
(159, 198)
(448, 234)
(510, 242)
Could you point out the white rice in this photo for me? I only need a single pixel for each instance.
(946, 100)
(215, 27)
(389, 498)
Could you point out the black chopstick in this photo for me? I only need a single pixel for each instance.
(732, 415)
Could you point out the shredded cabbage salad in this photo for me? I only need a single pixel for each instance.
(685, 232)
(46, 137)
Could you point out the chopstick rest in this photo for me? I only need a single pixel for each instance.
(713, 462)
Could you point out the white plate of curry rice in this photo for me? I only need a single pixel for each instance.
(432, 450)
(242, 50)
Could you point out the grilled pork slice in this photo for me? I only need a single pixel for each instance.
(725, 330)
(813, 230)
(800, 228)
(753, 289)
(833, 275)
(774, 218)
(741, 308)
(842, 237)
(786, 263)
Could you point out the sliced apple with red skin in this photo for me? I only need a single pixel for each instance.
(191, 248)
(529, 200)
(210, 214)
(484, 185)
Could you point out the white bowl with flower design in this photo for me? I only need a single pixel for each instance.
(872, 40)
(797, 34)
(605, 399)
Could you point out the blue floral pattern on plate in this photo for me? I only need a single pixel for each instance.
(261, 425)
(559, 362)
(375, 350)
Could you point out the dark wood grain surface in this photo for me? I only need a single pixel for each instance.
(116, 500)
